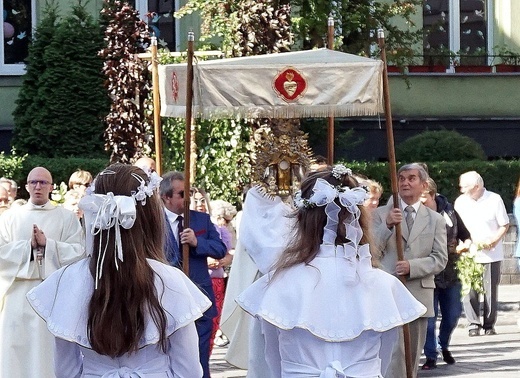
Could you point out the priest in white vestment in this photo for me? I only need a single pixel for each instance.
(36, 239)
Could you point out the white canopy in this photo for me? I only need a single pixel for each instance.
(313, 83)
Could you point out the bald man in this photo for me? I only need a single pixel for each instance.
(36, 239)
(146, 164)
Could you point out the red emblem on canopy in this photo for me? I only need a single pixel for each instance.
(175, 87)
(289, 84)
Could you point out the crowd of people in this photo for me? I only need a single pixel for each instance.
(96, 284)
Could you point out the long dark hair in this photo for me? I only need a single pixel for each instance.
(119, 307)
(308, 228)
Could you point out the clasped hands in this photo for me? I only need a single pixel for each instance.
(38, 242)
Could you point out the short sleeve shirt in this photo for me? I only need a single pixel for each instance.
(483, 218)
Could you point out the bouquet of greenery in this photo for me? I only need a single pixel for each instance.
(469, 271)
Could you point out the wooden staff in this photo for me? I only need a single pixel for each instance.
(393, 181)
(330, 128)
(156, 108)
(187, 155)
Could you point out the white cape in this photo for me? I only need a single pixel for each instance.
(336, 296)
(62, 301)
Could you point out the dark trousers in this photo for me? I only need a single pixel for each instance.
(204, 326)
(449, 301)
(491, 278)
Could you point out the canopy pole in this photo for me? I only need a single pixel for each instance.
(156, 107)
(330, 128)
(393, 182)
(187, 152)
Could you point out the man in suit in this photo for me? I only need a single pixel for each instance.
(425, 254)
(204, 242)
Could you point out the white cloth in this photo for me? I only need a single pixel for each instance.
(483, 218)
(327, 83)
(26, 349)
(263, 232)
(62, 301)
(336, 299)
(265, 228)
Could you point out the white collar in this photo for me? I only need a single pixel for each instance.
(47, 206)
(172, 217)
(414, 205)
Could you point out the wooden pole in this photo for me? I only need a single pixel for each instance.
(330, 128)
(393, 182)
(187, 155)
(156, 108)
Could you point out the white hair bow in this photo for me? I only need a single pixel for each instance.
(102, 212)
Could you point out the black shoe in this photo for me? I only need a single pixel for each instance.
(430, 364)
(447, 357)
(490, 332)
(474, 331)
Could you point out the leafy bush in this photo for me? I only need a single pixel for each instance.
(69, 103)
(127, 80)
(441, 145)
(28, 101)
(222, 160)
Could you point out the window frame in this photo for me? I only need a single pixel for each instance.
(142, 7)
(14, 69)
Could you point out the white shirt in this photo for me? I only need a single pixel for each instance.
(483, 217)
(173, 219)
(414, 205)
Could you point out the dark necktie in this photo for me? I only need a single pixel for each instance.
(180, 228)
(172, 246)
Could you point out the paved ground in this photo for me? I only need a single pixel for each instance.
(477, 357)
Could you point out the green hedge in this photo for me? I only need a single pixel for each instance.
(500, 176)
(17, 168)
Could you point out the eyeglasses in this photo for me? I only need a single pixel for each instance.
(34, 183)
(180, 194)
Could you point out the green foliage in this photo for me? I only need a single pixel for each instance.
(128, 132)
(222, 161)
(245, 27)
(441, 145)
(470, 272)
(28, 103)
(261, 28)
(10, 165)
(355, 23)
(69, 100)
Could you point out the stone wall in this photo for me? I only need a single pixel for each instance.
(510, 271)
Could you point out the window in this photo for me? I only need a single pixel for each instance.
(461, 26)
(18, 20)
(161, 21)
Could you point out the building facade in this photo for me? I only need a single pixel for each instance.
(469, 35)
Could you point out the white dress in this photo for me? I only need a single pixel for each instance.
(62, 301)
(26, 345)
(334, 317)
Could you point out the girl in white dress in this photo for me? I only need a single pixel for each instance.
(122, 312)
(324, 310)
